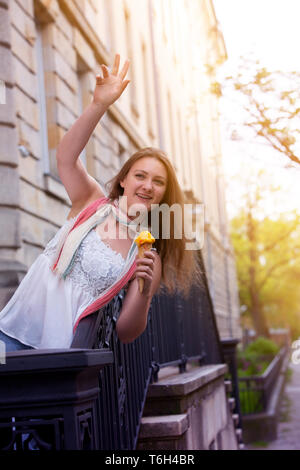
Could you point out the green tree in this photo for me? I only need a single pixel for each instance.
(268, 265)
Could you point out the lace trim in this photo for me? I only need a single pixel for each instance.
(96, 265)
(107, 244)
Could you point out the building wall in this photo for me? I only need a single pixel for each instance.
(50, 51)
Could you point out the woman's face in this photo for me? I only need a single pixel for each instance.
(145, 183)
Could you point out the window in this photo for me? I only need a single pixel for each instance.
(107, 9)
(42, 101)
(103, 22)
(177, 152)
(81, 107)
(181, 147)
(166, 20)
(171, 128)
(131, 71)
(147, 91)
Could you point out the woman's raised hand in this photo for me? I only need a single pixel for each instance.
(110, 87)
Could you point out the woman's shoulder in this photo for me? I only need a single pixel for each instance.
(78, 208)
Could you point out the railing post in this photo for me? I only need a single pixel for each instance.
(155, 369)
(182, 365)
(229, 351)
(51, 396)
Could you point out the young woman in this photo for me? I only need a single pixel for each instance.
(93, 255)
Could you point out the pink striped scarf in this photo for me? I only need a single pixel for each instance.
(126, 274)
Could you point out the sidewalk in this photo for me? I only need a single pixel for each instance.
(288, 428)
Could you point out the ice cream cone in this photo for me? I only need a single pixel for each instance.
(144, 242)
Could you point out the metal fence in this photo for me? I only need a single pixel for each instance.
(255, 391)
(178, 330)
(95, 392)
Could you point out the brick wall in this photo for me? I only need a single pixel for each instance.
(50, 52)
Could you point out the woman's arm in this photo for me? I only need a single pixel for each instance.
(133, 317)
(79, 185)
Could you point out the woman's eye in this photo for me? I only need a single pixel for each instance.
(141, 176)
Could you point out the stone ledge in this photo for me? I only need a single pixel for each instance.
(171, 383)
(163, 426)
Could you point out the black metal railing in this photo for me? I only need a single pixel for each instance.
(255, 391)
(49, 399)
(229, 350)
(107, 412)
(179, 330)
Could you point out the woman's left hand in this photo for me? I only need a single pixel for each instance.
(110, 87)
(145, 269)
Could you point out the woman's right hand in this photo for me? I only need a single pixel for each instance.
(110, 87)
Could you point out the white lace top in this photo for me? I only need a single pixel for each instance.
(44, 308)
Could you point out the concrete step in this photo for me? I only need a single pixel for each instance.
(158, 431)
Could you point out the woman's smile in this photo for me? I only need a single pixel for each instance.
(143, 197)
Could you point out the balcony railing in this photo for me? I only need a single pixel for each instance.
(92, 396)
(255, 391)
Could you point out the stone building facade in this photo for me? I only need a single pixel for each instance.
(50, 53)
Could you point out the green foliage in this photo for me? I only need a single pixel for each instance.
(275, 264)
(252, 360)
(260, 444)
(262, 346)
(250, 400)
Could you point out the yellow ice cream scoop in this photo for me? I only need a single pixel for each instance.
(144, 242)
(144, 237)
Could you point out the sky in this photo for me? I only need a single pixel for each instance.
(269, 29)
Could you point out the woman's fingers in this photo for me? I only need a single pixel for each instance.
(148, 255)
(115, 70)
(144, 275)
(144, 268)
(124, 85)
(98, 80)
(116, 65)
(105, 71)
(125, 69)
(145, 262)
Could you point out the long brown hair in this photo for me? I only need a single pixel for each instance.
(179, 266)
